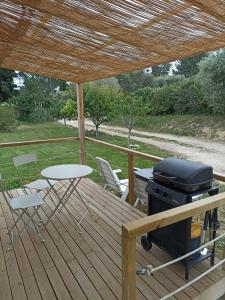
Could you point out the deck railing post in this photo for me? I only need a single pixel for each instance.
(80, 110)
(128, 267)
(223, 265)
(131, 196)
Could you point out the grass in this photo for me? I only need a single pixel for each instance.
(63, 152)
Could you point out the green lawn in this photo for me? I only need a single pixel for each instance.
(63, 152)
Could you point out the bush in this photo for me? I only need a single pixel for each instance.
(7, 117)
(190, 98)
(40, 114)
(168, 80)
(145, 93)
(163, 99)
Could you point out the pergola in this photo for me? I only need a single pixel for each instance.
(81, 41)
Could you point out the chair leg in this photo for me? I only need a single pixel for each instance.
(125, 194)
(136, 202)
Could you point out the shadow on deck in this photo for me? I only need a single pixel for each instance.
(88, 266)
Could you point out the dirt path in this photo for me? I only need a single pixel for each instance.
(206, 151)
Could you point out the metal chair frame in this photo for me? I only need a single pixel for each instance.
(27, 159)
(21, 210)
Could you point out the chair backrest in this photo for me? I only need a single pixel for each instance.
(24, 159)
(110, 178)
(139, 186)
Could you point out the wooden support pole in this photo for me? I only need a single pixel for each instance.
(223, 265)
(80, 110)
(131, 196)
(128, 267)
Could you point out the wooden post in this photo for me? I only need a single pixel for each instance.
(131, 196)
(128, 267)
(223, 265)
(80, 110)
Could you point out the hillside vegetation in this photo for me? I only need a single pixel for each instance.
(204, 126)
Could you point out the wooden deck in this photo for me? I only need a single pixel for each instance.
(88, 266)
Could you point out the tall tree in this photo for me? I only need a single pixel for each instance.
(7, 86)
(130, 82)
(212, 77)
(189, 66)
(161, 70)
(100, 101)
(129, 109)
(36, 100)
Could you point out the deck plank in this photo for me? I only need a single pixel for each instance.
(77, 266)
(14, 275)
(195, 270)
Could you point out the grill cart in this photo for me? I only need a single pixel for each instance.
(175, 182)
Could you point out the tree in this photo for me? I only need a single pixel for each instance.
(212, 77)
(189, 66)
(161, 70)
(69, 110)
(100, 102)
(190, 97)
(162, 99)
(130, 82)
(7, 117)
(7, 86)
(36, 101)
(129, 109)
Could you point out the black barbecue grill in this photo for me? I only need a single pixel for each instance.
(175, 182)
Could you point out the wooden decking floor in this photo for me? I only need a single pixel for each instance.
(87, 266)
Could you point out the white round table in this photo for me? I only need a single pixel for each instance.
(74, 173)
(68, 171)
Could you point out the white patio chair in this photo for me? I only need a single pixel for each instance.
(37, 185)
(20, 206)
(141, 194)
(111, 179)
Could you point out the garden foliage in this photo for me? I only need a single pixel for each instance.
(7, 117)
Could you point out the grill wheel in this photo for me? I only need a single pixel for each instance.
(146, 243)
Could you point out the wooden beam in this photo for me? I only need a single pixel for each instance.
(80, 110)
(125, 150)
(131, 195)
(172, 216)
(37, 142)
(128, 268)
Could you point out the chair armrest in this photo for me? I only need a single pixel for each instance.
(136, 169)
(117, 171)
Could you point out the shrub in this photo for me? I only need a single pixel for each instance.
(163, 99)
(40, 114)
(190, 98)
(7, 117)
(168, 80)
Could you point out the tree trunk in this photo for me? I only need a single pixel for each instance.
(64, 119)
(96, 130)
(129, 136)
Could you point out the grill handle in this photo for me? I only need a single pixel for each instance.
(165, 177)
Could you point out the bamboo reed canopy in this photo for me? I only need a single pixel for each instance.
(81, 41)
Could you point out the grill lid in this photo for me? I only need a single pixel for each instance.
(183, 174)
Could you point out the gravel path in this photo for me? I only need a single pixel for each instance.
(206, 151)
